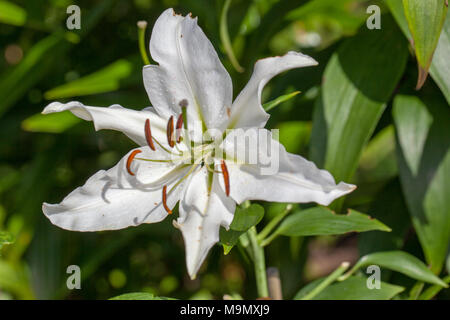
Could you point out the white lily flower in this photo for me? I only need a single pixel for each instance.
(191, 85)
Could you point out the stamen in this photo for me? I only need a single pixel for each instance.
(148, 135)
(164, 199)
(170, 132)
(226, 177)
(178, 128)
(130, 160)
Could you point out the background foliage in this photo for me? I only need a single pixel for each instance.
(357, 116)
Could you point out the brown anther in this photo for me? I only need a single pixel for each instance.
(228, 112)
(178, 128)
(148, 135)
(226, 177)
(164, 200)
(170, 132)
(130, 160)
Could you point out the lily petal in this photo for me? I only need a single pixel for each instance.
(113, 199)
(130, 122)
(190, 69)
(247, 110)
(274, 174)
(201, 215)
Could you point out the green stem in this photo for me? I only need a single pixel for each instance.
(272, 224)
(225, 37)
(259, 263)
(328, 280)
(142, 25)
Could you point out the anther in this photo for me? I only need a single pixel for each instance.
(170, 132)
(130, 160)
(226, 177)
(164, 200)
(148, 135)
(178, 128)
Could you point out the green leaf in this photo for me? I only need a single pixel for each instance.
(399, 261)
(440, 63)
(272, 104)
(139, 296)
(229, 239)
(11, 13)
(322, 221)
(244, 219)
(395, 215)
(31, 69)
(52, 123)
(433, 290)
(378, 162)
(355, 288)
(295, 135)
(104, 80)
(358, 83)
(324, 284)
(425, 21)
(423, 127)
(5, 238)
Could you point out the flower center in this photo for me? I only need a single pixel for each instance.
(191, 155)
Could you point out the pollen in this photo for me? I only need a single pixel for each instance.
(226, 177)
(148, 135)
(170, 139)
(164, 200)
(130, 160)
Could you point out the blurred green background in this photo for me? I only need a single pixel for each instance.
(43, 158)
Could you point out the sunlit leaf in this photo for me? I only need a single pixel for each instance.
(322, 221)
(294, 135)
(244, 219)
(52, 123)
(11, 13)
(140, 296)
(272, 104)
(423, 127)
(399, 261)
(425, 21)
(355, 288)
(440, 65)
(104, 80)
(5, 238)
(358, 83)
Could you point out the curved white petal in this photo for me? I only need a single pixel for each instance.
(130, 122)
(201, 216)
(113, 199)
(270, 173)
(247, 110)
(189, 68)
